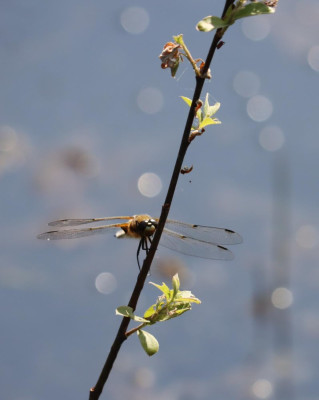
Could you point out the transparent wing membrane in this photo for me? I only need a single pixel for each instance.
(194, 247)
(76, 222)
(205, 233)
(78, 233)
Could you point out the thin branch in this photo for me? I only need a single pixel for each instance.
(131, 331)
(121, 336)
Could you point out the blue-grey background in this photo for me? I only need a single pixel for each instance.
(74, 143)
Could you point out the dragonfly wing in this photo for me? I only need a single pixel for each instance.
(204, 233)
(76, 221)
(78, 233)
(194, 247)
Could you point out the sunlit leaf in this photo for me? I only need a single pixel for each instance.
(209, 23)
(206, 105)
(187, 100)
(211, 110)
(163, 288)
(150, 311)
(252, 9)
(175, 284)
(125, 311)
(179, 39)
(192, 300)
(148, 342)
(140, 319)
(187, 296)
(208, 121)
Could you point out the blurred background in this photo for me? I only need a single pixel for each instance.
(90, 127)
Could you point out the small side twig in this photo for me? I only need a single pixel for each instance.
(121, 336)
(131, 331)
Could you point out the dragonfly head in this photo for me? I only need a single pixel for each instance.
(146, 227)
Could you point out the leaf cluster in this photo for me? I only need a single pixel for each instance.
(204, 114)
(172, 303)
(234, 12)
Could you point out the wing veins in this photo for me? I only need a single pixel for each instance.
(82, 221)
(209, 234)
(77, 233)
(194, 247)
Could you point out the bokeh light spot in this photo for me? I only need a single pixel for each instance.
(149, 184)
(256, 28)
(259, 108)
(313, 58)
(281, 298)
(105, 283)
(262, 389)
(150, 100)
(307, 236)
(135, 20)
(246, 83)
(271, 138)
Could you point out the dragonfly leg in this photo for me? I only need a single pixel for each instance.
(140, 246)
(144, 245)
(149, 238)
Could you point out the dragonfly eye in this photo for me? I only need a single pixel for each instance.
(147, 228)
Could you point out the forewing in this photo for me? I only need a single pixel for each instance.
(204, 233)
(76, 221)
(78, 233)
(194, 247)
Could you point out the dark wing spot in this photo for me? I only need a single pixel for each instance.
(222, 247)
(229, 230)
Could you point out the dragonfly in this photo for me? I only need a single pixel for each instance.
(190, 239)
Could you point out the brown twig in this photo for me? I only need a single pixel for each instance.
(121, 336)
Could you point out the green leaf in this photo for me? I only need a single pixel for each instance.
(179, 39)
(206, 105)
(148, 342)
(163, 288)
(126, 311)
(211, 110)
(181, 311)
(187, 296)
(187, 100)
(192, 300)
(209, 23)
(228, 12)
(252, 9)
(140, 319)
(208, 121)
(175, 284)
(183, 294)
(150, 311)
